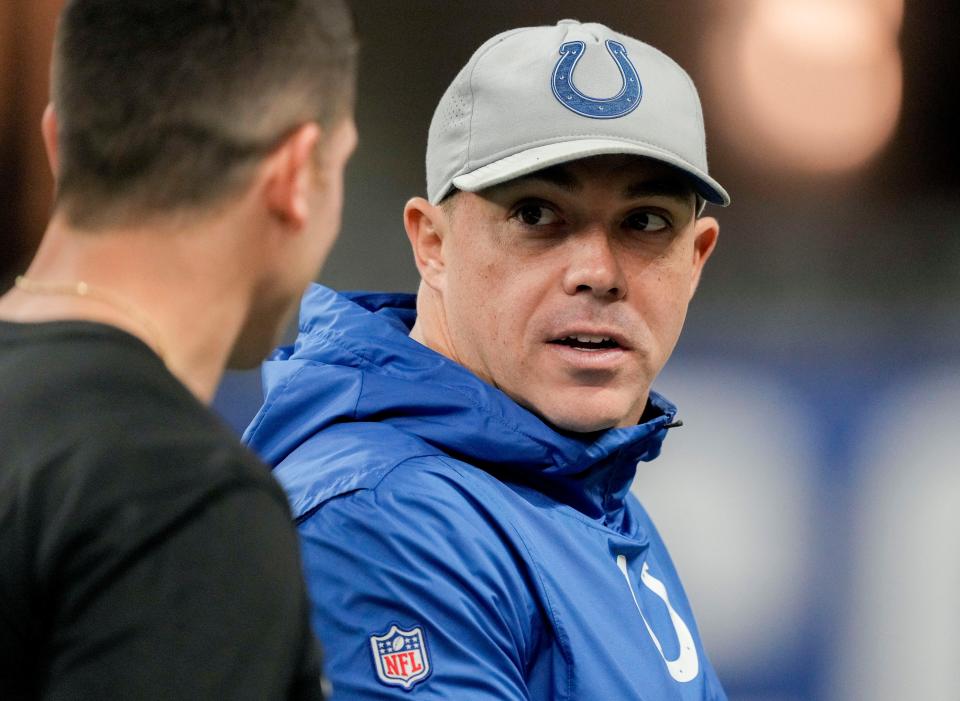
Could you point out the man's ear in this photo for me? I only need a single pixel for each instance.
(48, 128)
(288, 175)
(706, 231)
(426, 226)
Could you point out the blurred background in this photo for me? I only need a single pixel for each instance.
(812, 499)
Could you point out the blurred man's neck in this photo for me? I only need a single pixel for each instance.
(178, 291)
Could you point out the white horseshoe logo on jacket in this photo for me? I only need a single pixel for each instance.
(687, 665)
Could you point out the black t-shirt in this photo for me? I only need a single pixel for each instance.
(144, 552)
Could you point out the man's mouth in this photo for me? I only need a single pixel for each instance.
(587, 342)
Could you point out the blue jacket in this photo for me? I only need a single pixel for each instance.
(456, 546)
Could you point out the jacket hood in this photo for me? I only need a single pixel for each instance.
(353, 361)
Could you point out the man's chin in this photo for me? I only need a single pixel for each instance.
(246, 358)
(263, 331)
(576, 422)
(252, 347)
(580, 409)
(565, 425)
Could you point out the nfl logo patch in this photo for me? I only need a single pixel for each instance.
(400, 656)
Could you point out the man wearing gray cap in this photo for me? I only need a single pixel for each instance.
(460, 461)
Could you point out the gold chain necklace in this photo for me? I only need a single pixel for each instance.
(98, 294)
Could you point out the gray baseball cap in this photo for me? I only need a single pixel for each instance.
(534, 97)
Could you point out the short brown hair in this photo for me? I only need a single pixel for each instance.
(168, 104)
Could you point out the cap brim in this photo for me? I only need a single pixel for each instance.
(540, 157)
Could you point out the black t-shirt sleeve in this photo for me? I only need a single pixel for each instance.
(144, 552)
(211, 607)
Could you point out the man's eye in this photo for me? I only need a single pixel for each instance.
(646, 221)
(533, 214)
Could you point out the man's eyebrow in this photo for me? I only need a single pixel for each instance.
(554, 175)
(663, 187)
(561, 176)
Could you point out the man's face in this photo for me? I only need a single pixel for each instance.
(327, 199)
(567, 289)
(303, 254)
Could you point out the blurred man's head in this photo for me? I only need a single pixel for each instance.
(171, 105)
(562, 242)
(182, 110)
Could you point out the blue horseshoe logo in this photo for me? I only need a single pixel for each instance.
(566, 92)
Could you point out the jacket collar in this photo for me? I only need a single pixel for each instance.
(422, 393)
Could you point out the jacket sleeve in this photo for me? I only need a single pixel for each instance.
(414, 587)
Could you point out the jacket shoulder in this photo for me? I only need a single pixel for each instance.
(420, 548)
(346, 458)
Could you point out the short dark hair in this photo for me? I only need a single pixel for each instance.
(170, 104)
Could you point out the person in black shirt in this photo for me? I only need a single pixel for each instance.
(198, 148)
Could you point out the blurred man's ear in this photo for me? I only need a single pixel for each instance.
(426, 226)
(706, 231)
(48, 128)
(287, 176)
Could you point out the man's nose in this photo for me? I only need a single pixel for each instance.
(594, 266)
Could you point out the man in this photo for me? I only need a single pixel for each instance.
(460, 464)
(198, 148)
